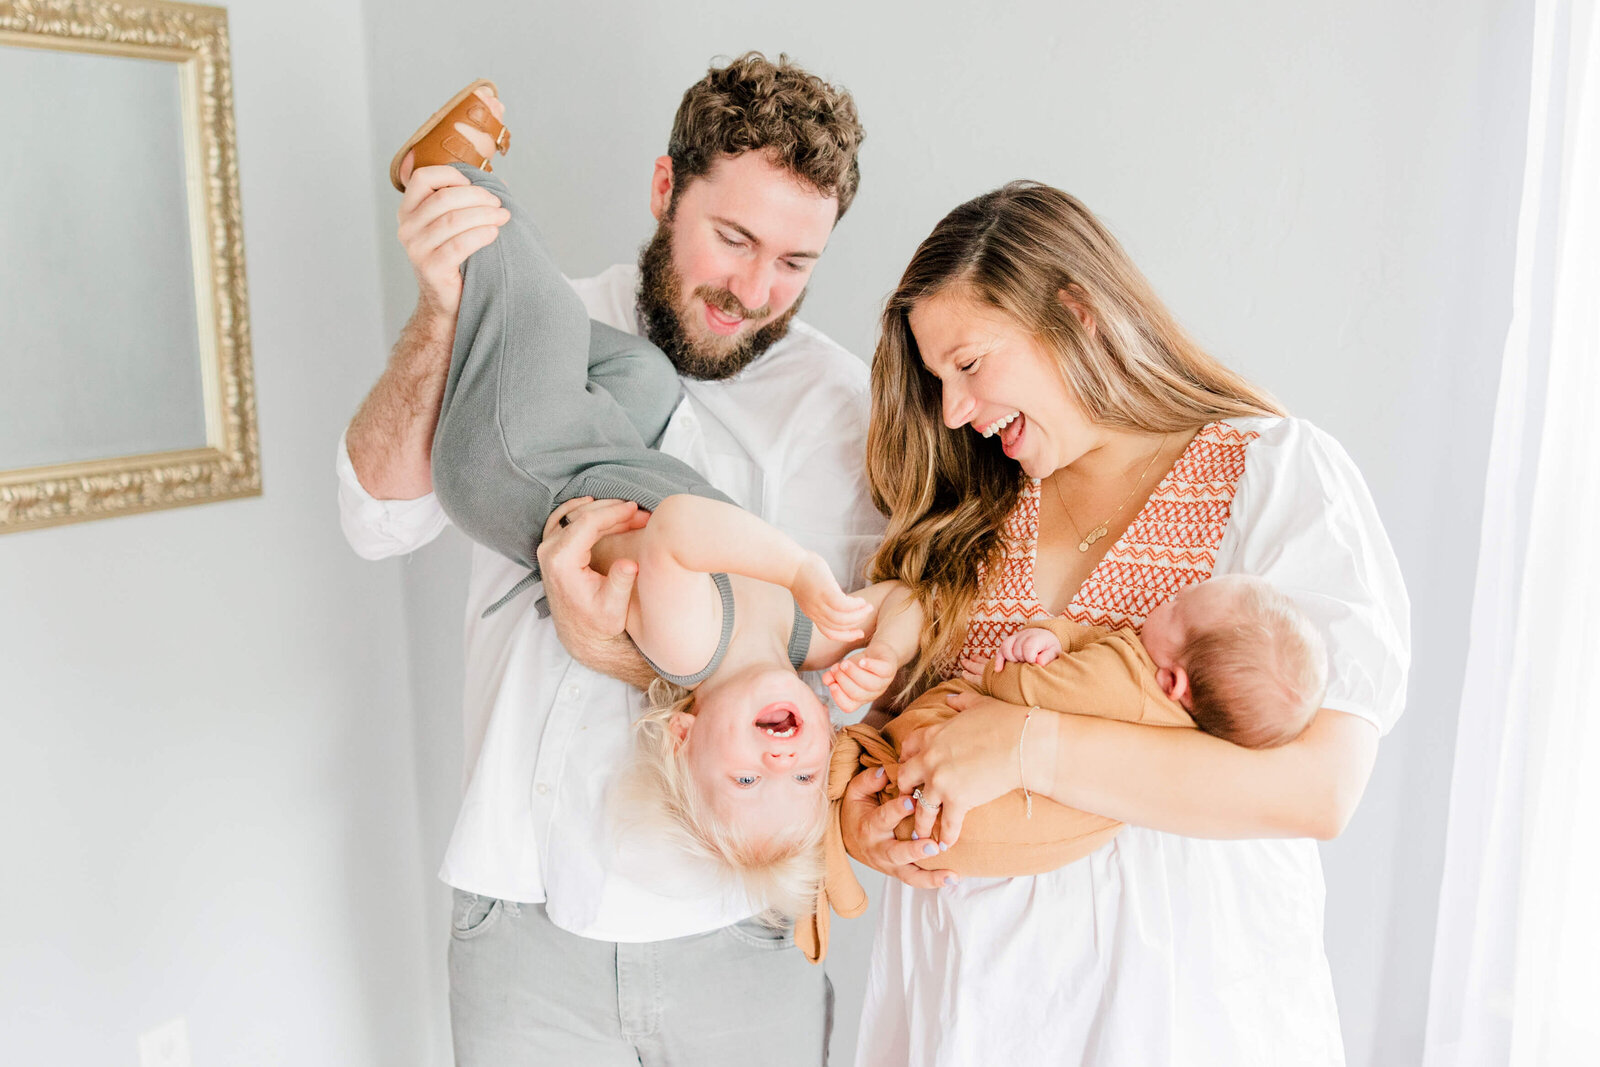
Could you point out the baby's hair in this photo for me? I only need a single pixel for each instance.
(780, 874)
(1258, 670)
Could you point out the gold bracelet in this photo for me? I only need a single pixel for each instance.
(1022, 765)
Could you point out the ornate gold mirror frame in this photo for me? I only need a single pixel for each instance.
(196, 39)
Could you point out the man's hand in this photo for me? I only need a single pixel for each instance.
(590, 610)
(444, 218)
(869, 828)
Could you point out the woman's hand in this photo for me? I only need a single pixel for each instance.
(833, 611)
(869, 826)
(965, 762)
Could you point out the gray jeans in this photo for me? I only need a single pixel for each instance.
(525, 992)
(542, 404)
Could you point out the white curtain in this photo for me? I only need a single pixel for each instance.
(1516, 971)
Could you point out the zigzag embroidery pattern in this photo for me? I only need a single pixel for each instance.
(1171, 543)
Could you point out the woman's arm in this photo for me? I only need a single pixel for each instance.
(1183, 781)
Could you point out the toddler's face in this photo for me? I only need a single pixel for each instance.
(758, 747)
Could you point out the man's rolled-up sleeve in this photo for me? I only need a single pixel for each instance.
(378, 529)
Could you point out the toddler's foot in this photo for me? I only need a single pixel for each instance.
(481, 141)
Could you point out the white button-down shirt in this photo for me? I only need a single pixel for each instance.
(786, 439)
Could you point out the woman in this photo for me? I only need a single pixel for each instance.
(1047, 440)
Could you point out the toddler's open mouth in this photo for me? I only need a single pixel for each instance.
(779, 720)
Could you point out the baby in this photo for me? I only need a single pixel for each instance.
(545, 411)
(1231, 656)
(1234, 653)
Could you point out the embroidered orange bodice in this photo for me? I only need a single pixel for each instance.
(1171, 543)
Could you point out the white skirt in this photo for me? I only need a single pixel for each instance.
(1156, 950)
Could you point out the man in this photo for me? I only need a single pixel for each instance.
(566, 951)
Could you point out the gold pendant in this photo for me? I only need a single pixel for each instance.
(1094, 535)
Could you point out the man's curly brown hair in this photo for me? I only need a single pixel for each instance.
(807, 126)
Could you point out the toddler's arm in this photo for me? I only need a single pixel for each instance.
(892, 643)
(675, 617)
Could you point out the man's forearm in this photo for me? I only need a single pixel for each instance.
(390, 440)
(619, 658)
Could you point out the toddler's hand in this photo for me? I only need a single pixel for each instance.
(1028, 645)
(858, 680)
(836, 613)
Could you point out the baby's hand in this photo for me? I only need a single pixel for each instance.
(836, 613)
(858, 680)
(1028, 645)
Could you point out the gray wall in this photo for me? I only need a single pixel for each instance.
(206, 755)
(1325, 194)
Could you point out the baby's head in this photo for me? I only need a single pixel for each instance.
(1241, 659)
(736, 773)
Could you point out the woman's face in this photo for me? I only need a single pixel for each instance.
(997, 380)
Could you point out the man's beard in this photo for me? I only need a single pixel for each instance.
(662, 308)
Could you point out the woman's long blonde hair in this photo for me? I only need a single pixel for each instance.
(1020, 249)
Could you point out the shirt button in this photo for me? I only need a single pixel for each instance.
(542, 788)
(573, 690)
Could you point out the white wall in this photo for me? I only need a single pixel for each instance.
(229, 752)
(206, 760)
(1325, 194)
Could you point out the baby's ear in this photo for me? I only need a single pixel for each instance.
(679, 726)
(1174, 681)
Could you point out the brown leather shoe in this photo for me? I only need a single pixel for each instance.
(436, 141)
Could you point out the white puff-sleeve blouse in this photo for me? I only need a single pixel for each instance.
(1304, 520)
(1161, 950)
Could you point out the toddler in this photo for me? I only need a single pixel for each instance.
(545, 410)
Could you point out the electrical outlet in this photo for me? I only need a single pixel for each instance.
(165, 1046)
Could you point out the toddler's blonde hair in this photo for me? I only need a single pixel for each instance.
(780, 874)
(1258, 672)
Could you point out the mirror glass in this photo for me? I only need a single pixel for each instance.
(99, 337)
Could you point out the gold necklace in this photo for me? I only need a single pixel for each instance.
(1085, 540)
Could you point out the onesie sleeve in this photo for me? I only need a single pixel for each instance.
(1094, 675)
(1303, 519)
(377, 529)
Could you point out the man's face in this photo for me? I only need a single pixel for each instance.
(726, 270)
